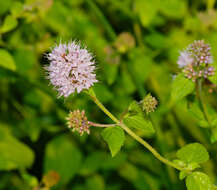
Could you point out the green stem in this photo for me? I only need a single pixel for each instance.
(103, 108)
(133, 135)
(101, 125)
(150, 148)
(202, 103)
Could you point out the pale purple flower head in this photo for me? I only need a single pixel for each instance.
(71, 68)
(196, 60)
(184, 59)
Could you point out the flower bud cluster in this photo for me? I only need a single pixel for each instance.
(77, 121)
(149, 104)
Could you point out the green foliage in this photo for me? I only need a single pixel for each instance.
(137, 120)
(7, 60)
(193, 153)
(198, 181)
(62, 157)
(13, 153)
(140, 123)
(9, 24)
(5, 5)
(136, 44)
(181, 87)
(146, 11)
(95, 182)
(114, 137)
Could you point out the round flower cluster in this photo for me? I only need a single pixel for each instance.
(196, 61)
(71, 68)
(77, 121)
(149, 104)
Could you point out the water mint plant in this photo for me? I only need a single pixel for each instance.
(74, 69)
(103, 111)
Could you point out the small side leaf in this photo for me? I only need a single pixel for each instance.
(198, 181)
(6, 60)
(9, 24)
(194, 152)
(141, 123)
(181, 87)
(115, 139)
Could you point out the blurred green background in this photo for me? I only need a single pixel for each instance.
(137, 44)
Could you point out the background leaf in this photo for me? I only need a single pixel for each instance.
(13, 153)
(62, 157)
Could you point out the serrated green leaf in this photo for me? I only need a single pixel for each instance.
(62, 157)
(194, 152)
(6, 60)
(198, 181)
(141, 123)
(114, 137)
(13, 153)
(9, 24)
(181, 87)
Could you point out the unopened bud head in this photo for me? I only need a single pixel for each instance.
(77, 121)
(149, 104)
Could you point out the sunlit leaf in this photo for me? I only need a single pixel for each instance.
(193, 153)
(6, 60)
(9, 23)
(114, 137)
(198, 181)
(139, 122)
